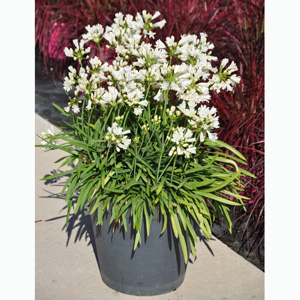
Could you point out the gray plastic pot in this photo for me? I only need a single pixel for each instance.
(155, 267)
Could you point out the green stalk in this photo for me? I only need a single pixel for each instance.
(89, 120)
(165, 107)
(103, 60)
(165, 168)
(126, 116)
(173, 168)
(171, 126)
(103, 128)
(153, 131)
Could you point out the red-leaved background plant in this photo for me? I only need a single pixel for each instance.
(235, 27)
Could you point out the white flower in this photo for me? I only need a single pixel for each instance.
(143, 103)
(95, 62)
(89, 106)
(234, 79)
(212, 136)
(170, 41)
(49, 132)
(143, 72)
(75, 109)
(202, 137)
(206, 121)
(172, 151)
(67, 84)
(79, 51)
(232, 68)
(94, 33)
(124, 144)
(110, 96)
(159, 96)
(189, 112)
(160, 45)
(188, 151)
(160, 24)
(215, 78)
(67, 109)
(116, 136)
(183, 139)
(68, 52)
(223, 63)
(46, 137)
(137, 111)
(156, 14)
(140, 62)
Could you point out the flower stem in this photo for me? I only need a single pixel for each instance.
(103, 60)
(173, 168)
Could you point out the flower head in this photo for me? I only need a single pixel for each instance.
(93, 33)
(46, 137)
(116, 136)
(183, 139)
(79, 52)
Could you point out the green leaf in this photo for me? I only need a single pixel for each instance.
(124, 221)
(61, 110)
(131, 184)
(137, 239)
(162, 208)
(119, 165)
(175, 230)
(160, 186)
(171, 185)
(223, 184)
(217, 198)
(182, 183)
(197, 184)
(182, 217)
(67, 183)
(147, 219)
(232, 157)
(191, 231)
(91, 125)
(107, 178)
(235, 195)
(140, 159)
(247, 173)
(96, 158)
(100, 213)
(181, 237)
(228, 161)
(60, 174)
(87, 168)
(224, 145)
(62, 158)
(201, 167)
(114, 190)
(224, 209)
(83, 196)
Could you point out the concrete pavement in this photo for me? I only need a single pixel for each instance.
(66, 266)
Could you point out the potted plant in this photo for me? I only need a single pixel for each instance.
(148, 163)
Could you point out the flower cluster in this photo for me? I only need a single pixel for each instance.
(203, 120)
(47, 137)
(117, 136)
(79, 52)
(183, 140)
(142, 77)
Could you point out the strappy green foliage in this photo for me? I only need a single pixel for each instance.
(145, 178)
